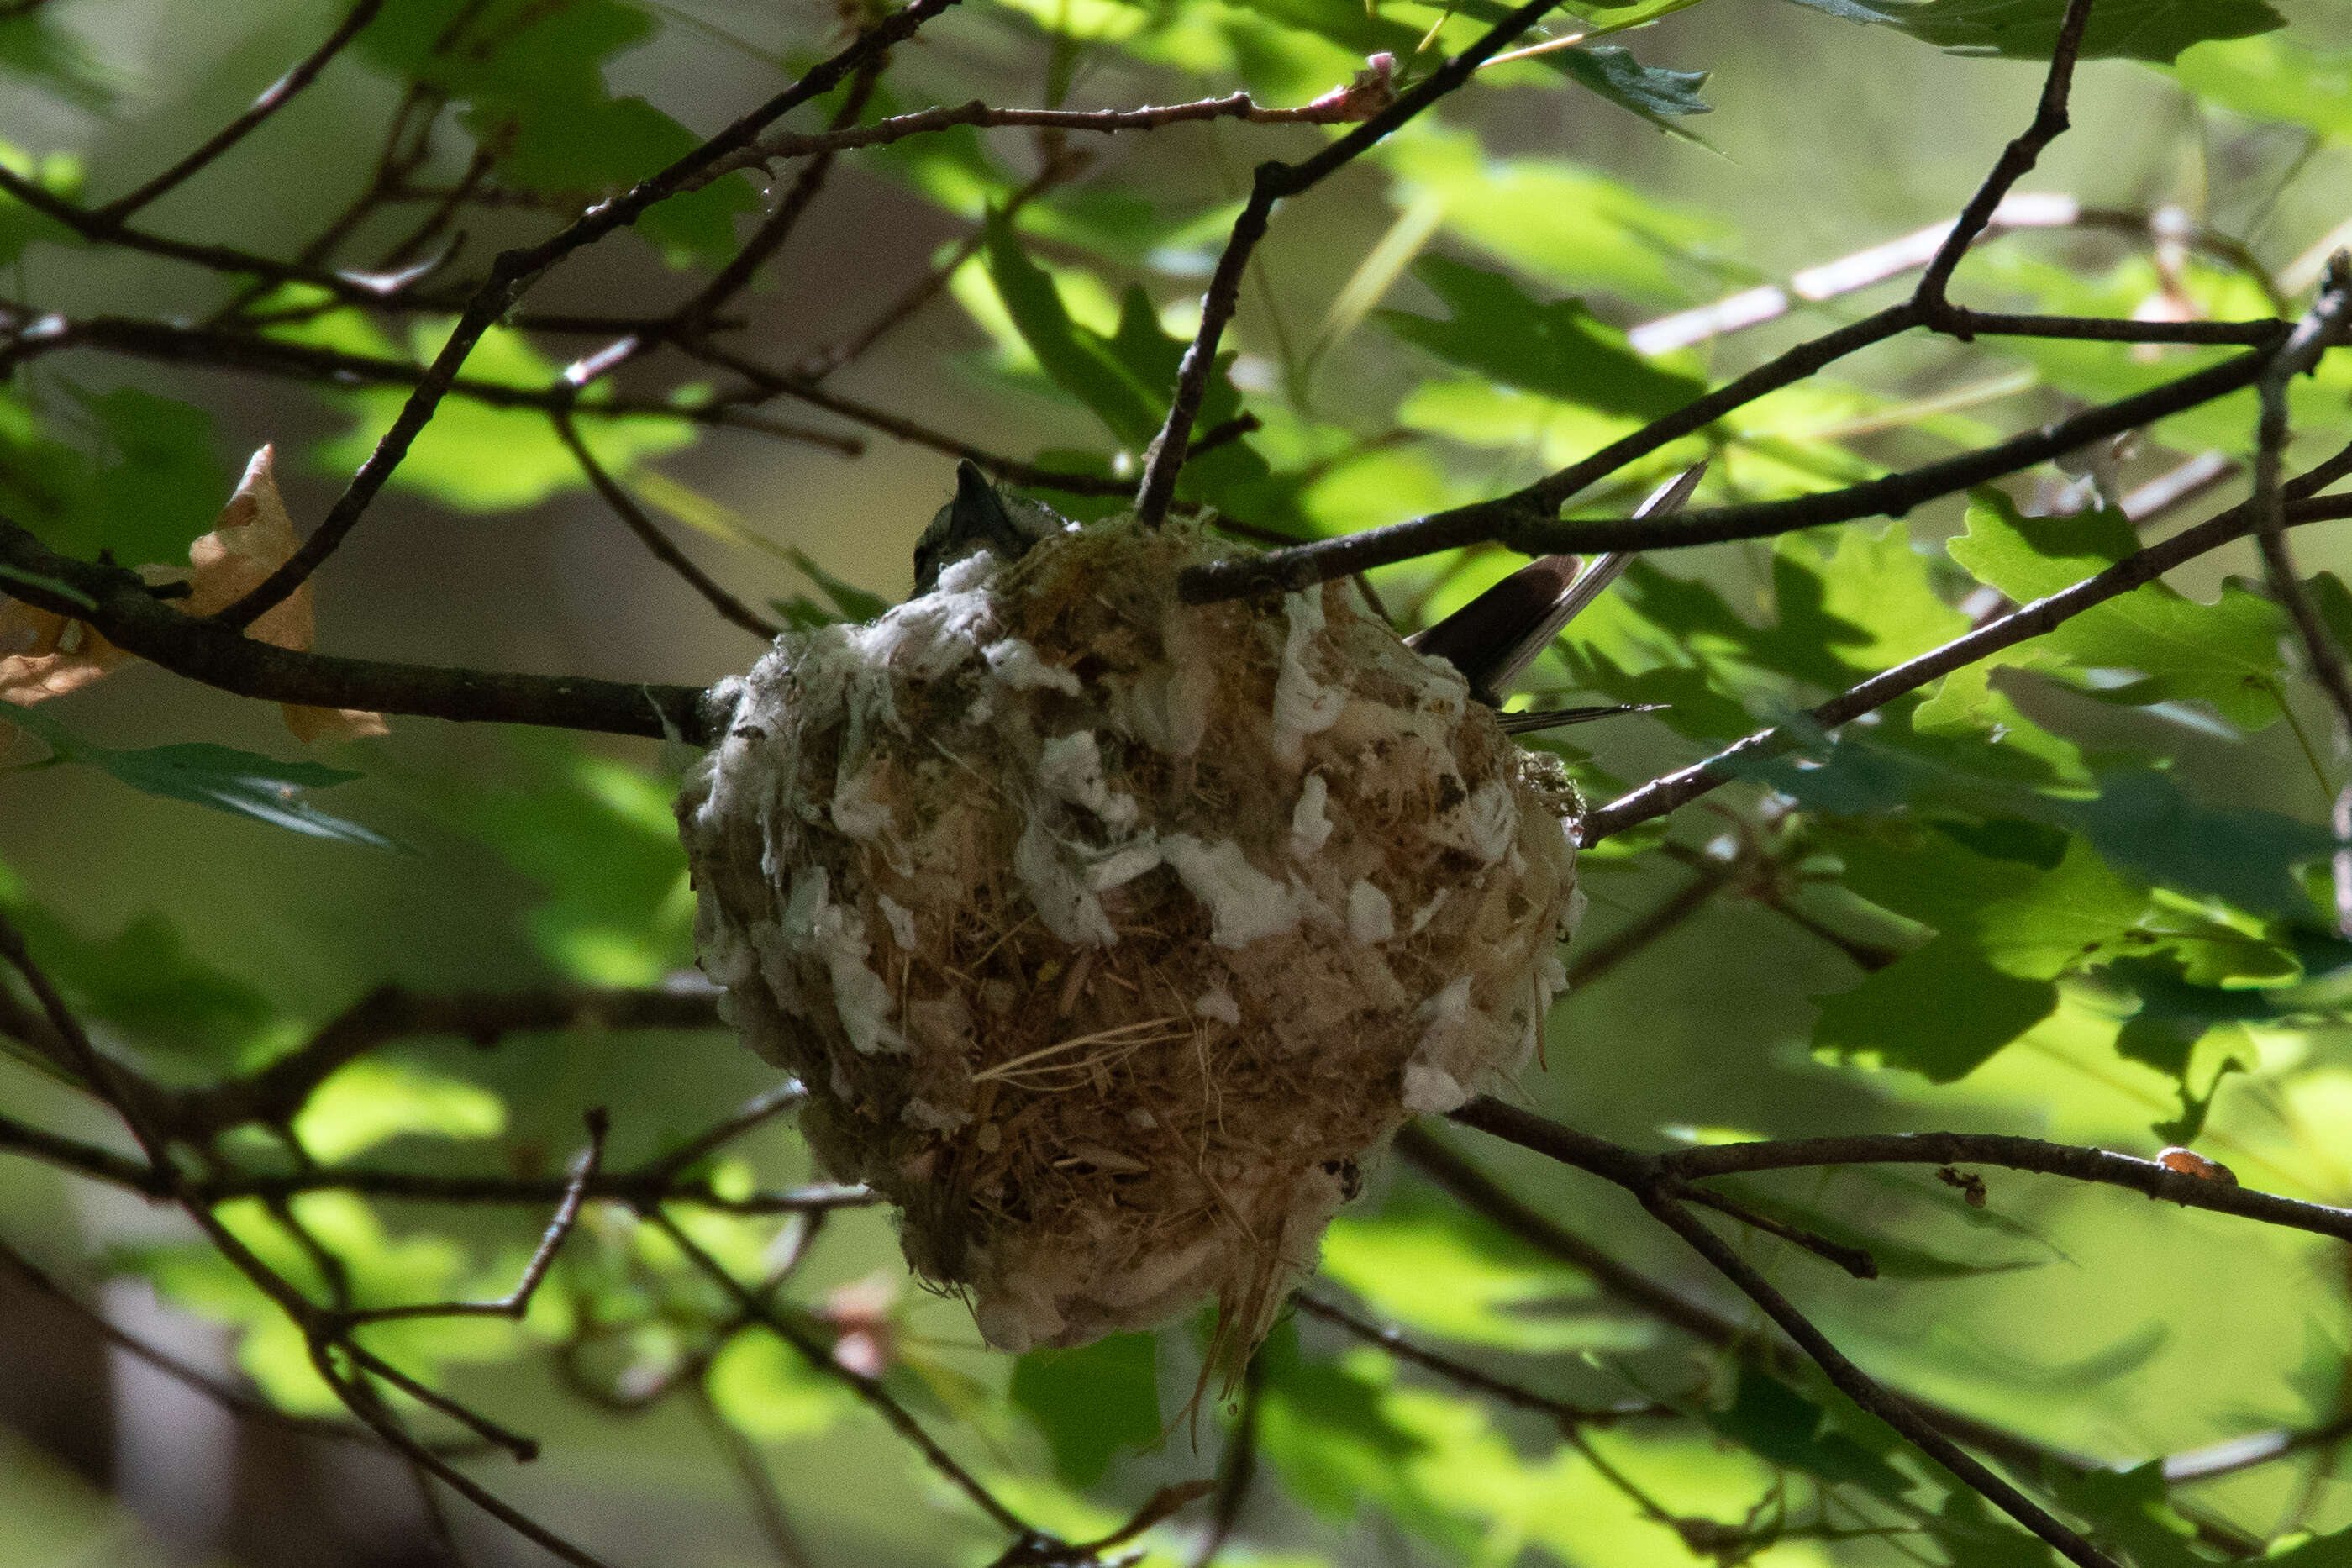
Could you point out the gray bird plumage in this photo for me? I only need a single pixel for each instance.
(981, 517)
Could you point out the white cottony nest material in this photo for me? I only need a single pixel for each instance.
(1109, 933)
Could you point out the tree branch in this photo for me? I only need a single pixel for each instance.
(869, 1389)
(2049, 122)
(1661, 1183)
(1333, 109)
(1236, 1470)
(1569, 1418)
(118, 605)
(1636, 1171)
(1522, 521)
(1866, 1392)
(1663, 795)
(517, 1302)
(514, 271)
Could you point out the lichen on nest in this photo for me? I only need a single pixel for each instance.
(1110, 933)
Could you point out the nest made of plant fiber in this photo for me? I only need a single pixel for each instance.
(1111, 934)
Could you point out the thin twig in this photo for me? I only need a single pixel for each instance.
(242, 1406)
(1060, 165)
(695, 315)
(869, 1389)
(364, 1402)
(324, 1332)
(1889, 260)
(657, 543)
(273, 98)
(2049, 122)
(515, 1303)
(1647, 928)
(103, 1078)
(1482, 1195)
(758, 1483)
(1632, 1168)
(2322, 326)
(1333, 109)
(1661, 1183)
(1520, 523)
(761, 1108)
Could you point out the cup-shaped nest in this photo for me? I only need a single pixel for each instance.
(1111, 934)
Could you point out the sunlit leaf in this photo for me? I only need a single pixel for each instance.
(768, 1390)
(2226, 653)
(2273, 78)
(599, 840)
(371, 1102)
(1555, 349)
(1938, 1011)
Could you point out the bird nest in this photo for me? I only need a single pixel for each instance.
(1111, 934)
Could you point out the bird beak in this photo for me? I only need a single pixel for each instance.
(1498, 634)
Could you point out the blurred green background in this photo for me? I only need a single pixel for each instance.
(2096, 1323)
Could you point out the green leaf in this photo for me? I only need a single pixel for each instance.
(1780, 1426)
(482, 459)
(2192, 1033)
(2273, 78)
(166, 483)
(2226, 654)
(2142, 820)
(1657, 93)
(2031, 558)
(1092, 1402)
(141, 478)
(145, 982)
(1433, 1268)
(371, 1102)
(1940, 1011)
(851, 601)
(599, 840)
(1558, 349)
(1569, 225)
(2129, 1509)
(1897, 1258)
(2028, 29)
(1341, 1437)
(1078, 360)
(767, 1390)
(34, 47)
(243, 784)
(529, 80)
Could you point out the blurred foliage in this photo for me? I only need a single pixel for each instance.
(2078, 889)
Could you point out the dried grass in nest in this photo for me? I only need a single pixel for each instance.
(1108, 934)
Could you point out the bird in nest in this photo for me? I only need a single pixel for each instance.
(1491, 639)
